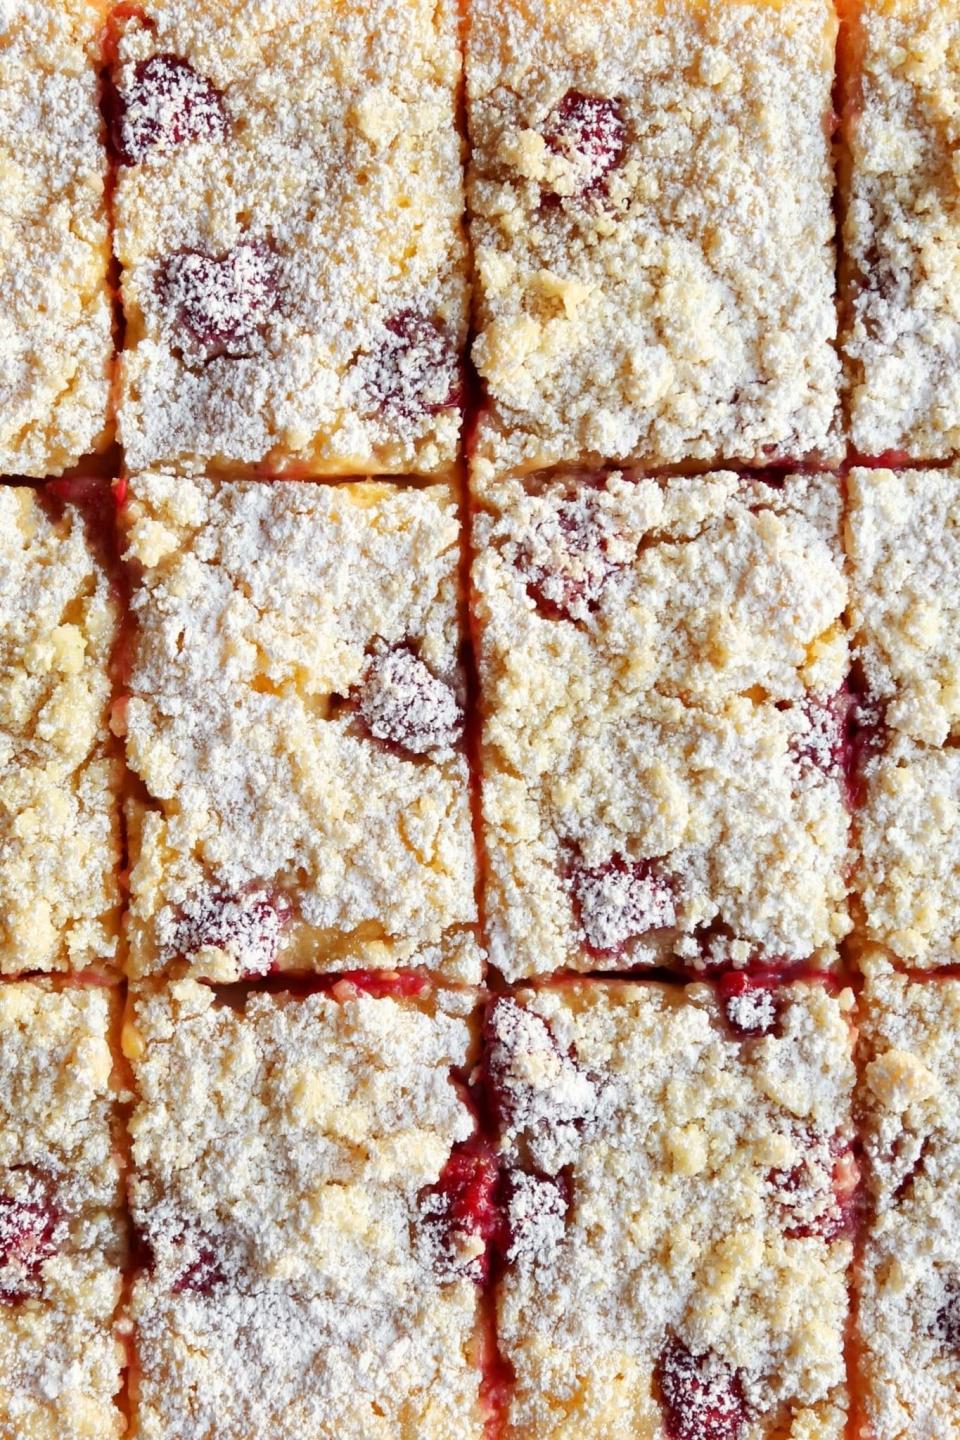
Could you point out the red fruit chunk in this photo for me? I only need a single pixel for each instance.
(620, 901)
(701, 1395)
(222, 301)
(589, 131)
(459, 1215)
(571, 556)
(818, 1195)
(416, 371)
(401, 701)
(519, 1043)
(167, 104)
(946, 1327)
(202, 1274)
(751, 1003)
(248, 927)
(825, 742)
(27, 1238)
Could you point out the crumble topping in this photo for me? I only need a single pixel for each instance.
(673, 1281)
(56, 346)
(901, 233)
(908, 1288)
(281, 1152)
(59, 778)
(61, 1226)
(699, 814)
(290, 230)
(261, 611)
(650, 192)
(903, 540)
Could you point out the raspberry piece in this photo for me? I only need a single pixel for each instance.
(946, 1326)
(167, 104)
(416, 371)
(818, 1195)
(570, 558)
(825, 744)
(537, 1207)
(537, 1091)
(701, 1395)
(589, 131)
(751, 1003)
(247, 927)
(619, 901)
(222, 301)
(28, 1237)
(401, 701)
(202, 1274)
(459, 1215)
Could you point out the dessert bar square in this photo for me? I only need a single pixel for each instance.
(59, 775)
(909, 1300)
(901, 229)
(903, 542)
(296, 720)
(650, 190)
(908, 864)
(55, 309)
(664, 760)
(289, 221)
(680, 1183)
(61, 1229)
(314, 1207)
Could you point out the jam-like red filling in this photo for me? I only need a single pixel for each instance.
(416, 371)
(751, 1003)
(248, 927)
(222, 301)
(818, 1195)
(166, 104)
(463, 1205)
(382, 984)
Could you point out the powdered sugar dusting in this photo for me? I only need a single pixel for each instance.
(673, 1294)
(57, 346)
(246, 928)
(222, 301)
(620, 901)
(287, 1180)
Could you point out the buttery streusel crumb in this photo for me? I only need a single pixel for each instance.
(59, 777)
(903, 541)
(662, 668)
(288, 1181)
(909, 1290)
(680, 1213)
(61, 1227)
(55, 314)
(908, 870)
(296, 717)
(902, 231)
(289, 218)
(650, 189)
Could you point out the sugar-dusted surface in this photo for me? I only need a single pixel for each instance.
(55, 317)
(290, 231)
(61, 1233)
(662, 667)
(59, 781)
(903, 540)
(296, 718)
(908, 873)
(283, 1156)
(678, 1237)
(909, 1303)
(650, 192)
(902, 232)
